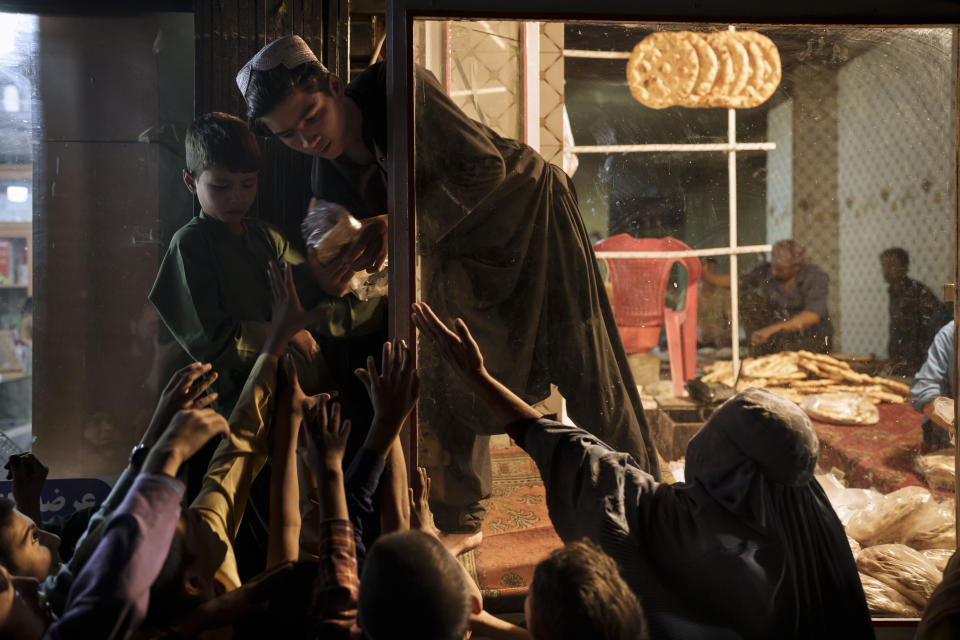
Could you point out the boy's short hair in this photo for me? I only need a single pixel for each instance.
(7, 507)
(578, 593)
(269, 88)
(412, 587)
(221, 140)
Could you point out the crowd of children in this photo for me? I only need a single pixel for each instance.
(748, 547)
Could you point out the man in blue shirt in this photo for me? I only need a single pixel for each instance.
(935, 379)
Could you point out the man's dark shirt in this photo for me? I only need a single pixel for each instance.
(912, 304)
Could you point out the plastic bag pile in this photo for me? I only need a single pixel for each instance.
(901, 542)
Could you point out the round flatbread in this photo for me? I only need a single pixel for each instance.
(735, 67)
(765, 70)
(662, 70)
(709, 66)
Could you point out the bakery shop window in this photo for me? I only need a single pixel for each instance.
(795, 187)
(94, 108)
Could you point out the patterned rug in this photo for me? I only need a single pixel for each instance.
(879, 456)
(517, 533)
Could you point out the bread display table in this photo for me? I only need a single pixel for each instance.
(879, 456)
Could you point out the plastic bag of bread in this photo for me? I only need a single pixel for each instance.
(881, 521)
(854, 547)
(328, 229)
(845, 501)
(903, 568)
(938, 470)
(932, 526)
(841, 408)
(884, 599)
(938, 557)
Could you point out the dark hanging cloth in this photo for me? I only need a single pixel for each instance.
(503, 246)
(748, 547)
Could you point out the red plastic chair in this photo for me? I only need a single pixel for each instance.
(639, 304)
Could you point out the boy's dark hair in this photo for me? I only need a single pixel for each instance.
(412, 588)
(578, 593)
(6, 518)
(269, 88)
(168, 603)
(221, 140)
(899, 253)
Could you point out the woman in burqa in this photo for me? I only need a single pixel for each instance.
(747, 547)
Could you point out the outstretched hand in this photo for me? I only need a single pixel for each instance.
(393, 393)
(187, 432)
(326, 436)
(185, 390)
(421, 516)
(458, 348)
(289, 318)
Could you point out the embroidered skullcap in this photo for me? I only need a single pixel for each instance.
(788, 253)
(290, 51)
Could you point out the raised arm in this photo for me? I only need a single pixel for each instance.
(592, 490)
(110, 596)
(237, 461)
(393, 393)
(461, 352)
(184, 391)
(334, 601)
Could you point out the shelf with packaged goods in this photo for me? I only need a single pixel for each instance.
(11, 278)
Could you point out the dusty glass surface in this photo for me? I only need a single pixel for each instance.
(94, 110)
(852, 154)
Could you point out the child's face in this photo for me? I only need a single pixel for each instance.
(312, 123)
(224, 195)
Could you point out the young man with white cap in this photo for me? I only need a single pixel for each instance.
(507, 250)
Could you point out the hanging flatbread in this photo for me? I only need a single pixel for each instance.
(662, 70)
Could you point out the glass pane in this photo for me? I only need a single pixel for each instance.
(104, 103)
(850, 152)
(17, 89)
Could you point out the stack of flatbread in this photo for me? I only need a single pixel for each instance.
(798, 374)
(728, 69)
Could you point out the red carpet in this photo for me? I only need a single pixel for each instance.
(878, 456)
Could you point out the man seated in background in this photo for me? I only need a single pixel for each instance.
(912, 306)
(783, 303)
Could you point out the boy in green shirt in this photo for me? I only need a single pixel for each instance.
(212, 291)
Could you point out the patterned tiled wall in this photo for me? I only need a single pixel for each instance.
(485, 73)
(895, 148)
(551, 92)
(815, 204)
(780, 173)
